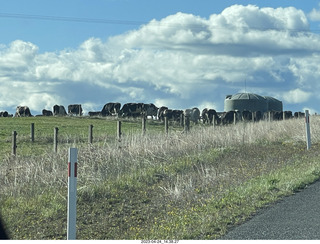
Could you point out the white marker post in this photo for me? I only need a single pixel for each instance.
(72, 193)
(308, 129)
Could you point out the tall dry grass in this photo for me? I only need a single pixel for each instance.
(136, 153)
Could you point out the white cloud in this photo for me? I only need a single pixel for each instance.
(314, 15)
(180, 61)
(296, 96)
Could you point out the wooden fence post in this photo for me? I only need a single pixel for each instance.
(90, 139)
(166, 125)
(186, 123)
(55, 139)
(32, 132)
(144, 124)
(119, 130)
(14, 143)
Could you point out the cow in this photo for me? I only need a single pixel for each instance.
(228, 117)
(287, 114)
(111, 109)
(258, 115)
(46, 112)
(75, 109)
(59, 110)
(208, 115)
(23, 111)
(194, 114)
(150, 110)
(160, 112)
(246, 115)
(95, 113)
(299, 115)
(131, 110)
(4, 114)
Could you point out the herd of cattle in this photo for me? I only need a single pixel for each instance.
(151, 111)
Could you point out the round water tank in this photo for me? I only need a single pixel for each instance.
(245, 101)
(274, 104)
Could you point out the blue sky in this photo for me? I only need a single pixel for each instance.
(178, 54)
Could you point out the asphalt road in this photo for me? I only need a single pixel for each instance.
(296, 217)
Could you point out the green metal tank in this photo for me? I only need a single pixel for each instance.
(245, 101)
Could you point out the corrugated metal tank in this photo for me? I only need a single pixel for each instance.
(274, 104)
(251, 102)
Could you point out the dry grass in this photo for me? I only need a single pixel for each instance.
(154, 174)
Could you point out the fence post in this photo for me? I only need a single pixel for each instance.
(14, 143)
(182, 120)
(90, 139)
(143, 124)
(119, 130)
(308, 129)
(72, 194)
(166, 124)
(55, 139)
(32, 132)
(186, 123)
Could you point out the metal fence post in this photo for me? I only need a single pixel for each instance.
(308, 129)
(72, 194)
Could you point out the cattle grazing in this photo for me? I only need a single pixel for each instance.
(75, 109)
(131, 110)
(150, 110)
(94, 113)
(299, 115)
(59, 110)
(194, 114)
(287, 114)
(160, 112)
(23, 111)
(46, 112)
(246, 115)
(4, 114)
(111, 109)
(208, 115)
(228, 117)
(258, 115)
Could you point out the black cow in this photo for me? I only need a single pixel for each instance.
(23, 111)
(194, 114)
(287, 114)
(299, 115)
(208, 115)
(75, 109)
(150, 110)
(258, 115)
(110, 109)
(246, 115)
(160, 112)
(228, 117)
(4, 114)
(46, 112)
(95, 113)
(131, 110)
(59, 110)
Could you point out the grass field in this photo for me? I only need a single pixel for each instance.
(192, 185)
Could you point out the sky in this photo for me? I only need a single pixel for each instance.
(174, 53)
